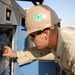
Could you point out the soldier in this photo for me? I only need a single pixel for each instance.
(42, 25)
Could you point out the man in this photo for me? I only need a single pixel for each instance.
(42, 25)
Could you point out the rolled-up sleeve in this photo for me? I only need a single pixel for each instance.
(29, 55)
(24, 57)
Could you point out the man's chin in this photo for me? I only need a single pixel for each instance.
(40, 48)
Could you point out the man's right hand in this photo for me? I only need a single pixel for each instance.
(7, 51)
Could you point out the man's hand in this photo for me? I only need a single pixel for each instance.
(7, 51)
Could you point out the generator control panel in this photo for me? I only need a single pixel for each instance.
(6, 36)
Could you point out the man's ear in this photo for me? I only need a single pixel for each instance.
(45, 33)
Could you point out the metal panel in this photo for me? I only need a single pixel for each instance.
(20, 44)
(15, 12)
(47, 68)
(30, 69)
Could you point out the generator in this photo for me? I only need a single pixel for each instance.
(12, 29)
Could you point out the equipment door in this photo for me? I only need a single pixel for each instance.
(6, 38)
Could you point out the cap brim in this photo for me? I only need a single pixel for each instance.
(28, 32)
(34, 30)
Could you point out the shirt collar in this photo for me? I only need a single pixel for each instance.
(58, 55)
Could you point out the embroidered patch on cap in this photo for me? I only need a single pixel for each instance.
(38, 17)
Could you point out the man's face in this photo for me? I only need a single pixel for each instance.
(39, 39)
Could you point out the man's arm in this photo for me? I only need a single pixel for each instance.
(25, 56)
(29, 55)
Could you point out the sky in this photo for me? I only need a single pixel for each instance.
(65, 9)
